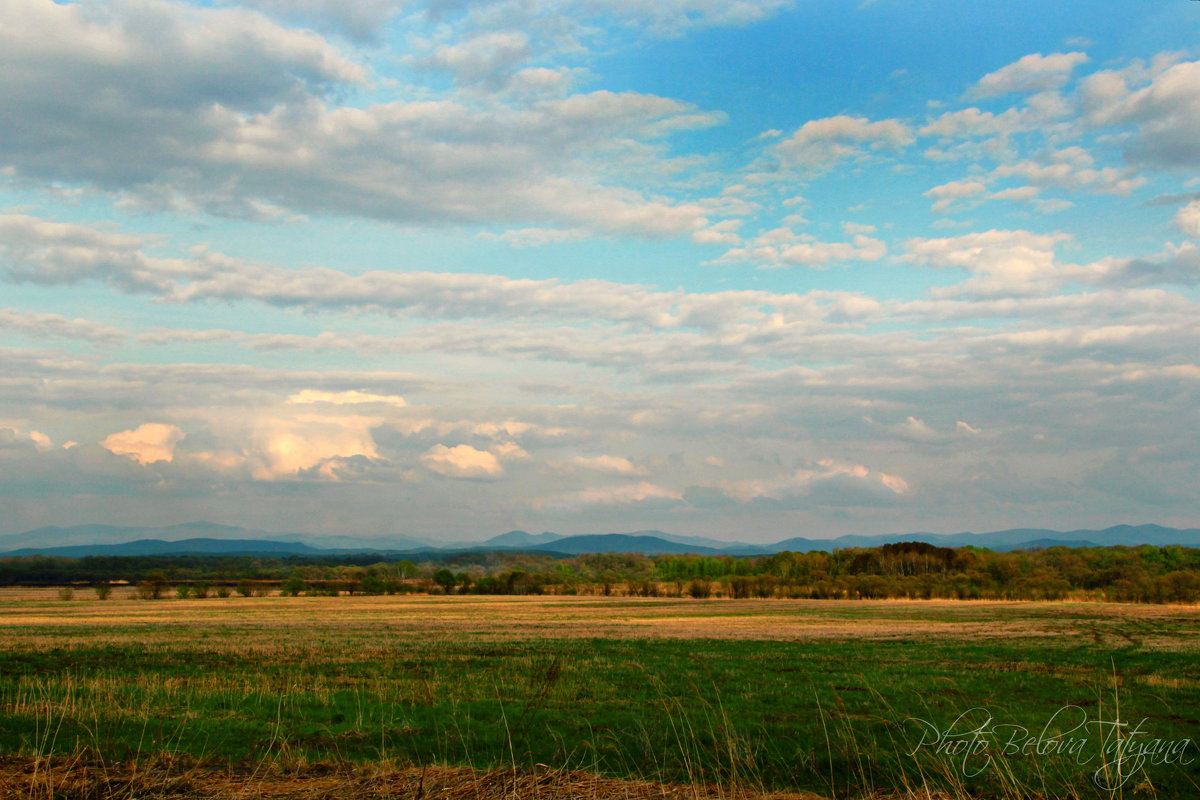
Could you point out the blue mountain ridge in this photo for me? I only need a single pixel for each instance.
(86, 540)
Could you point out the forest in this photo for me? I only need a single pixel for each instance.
(912, 570)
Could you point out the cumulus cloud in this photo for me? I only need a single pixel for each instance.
(971, 123)
(487, 58)
(185, 109)
(47, 326)
(16, 438)
(289, 446)
(1070, 170)
(138, 87)
(1188, 219)
(947, 194)
(1164, 112)
(462, 461)
(1032, 73)
(1001, 262)
(42, 251)
(1177, 264)
(146, 444)
(782, 248)
(818, 145)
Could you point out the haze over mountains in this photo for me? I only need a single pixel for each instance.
(205, 538)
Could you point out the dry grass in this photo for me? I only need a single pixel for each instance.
(22, 611)
(80, 780)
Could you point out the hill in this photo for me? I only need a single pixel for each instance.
(210, 539)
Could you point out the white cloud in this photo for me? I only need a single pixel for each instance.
(170, 107)
(358, 19)
(1032, 73)
(614, 465)
(632, 494)
(971, 123)
(62, 253)
(1019, 194)
(828, 482)
(139, 86)
(947, 194)
(1188, 219)
(1003, 262)
(486, 58)
(782, 248)
(820, 144)
(45, 326)
(146, 444)
(509, 451)
(915, 429)
(855, 228)
(462, 461)
(1064, 173)
(1165, 113)
(285, 447)
(12, 435)
(352, 397)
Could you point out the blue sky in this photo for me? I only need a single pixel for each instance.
(739, 269)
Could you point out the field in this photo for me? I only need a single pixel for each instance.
(593, 696)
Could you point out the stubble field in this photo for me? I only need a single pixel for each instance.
(593, 696)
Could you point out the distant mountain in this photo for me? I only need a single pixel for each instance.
(87, 538)
(1014, 539)
(112, 534)
(517, 539)
(698, 541)
(374, 544)
(664, 542)
(623, 543)
(158, 547)
(210, 538)
(1042, 544)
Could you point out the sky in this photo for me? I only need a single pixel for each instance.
(749, 269)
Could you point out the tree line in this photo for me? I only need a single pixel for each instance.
(913, 570)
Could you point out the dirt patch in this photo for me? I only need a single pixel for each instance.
(81, 780)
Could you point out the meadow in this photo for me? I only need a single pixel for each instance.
(835, 698)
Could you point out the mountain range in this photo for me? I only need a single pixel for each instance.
(206, 538)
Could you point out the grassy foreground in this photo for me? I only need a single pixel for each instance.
(839, 698)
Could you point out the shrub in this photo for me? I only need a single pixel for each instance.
(245, 588)
(700, 589)
(292, 587)
(445, 579)
(183, 591)
(223, 591)
(66, 593)
(200, 589)
(103, 591)
(372, 585)
(153, 586)
(643, 589)
(739, 587)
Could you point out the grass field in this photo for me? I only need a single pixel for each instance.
(837, 698)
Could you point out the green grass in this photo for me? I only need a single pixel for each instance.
(830, 715)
